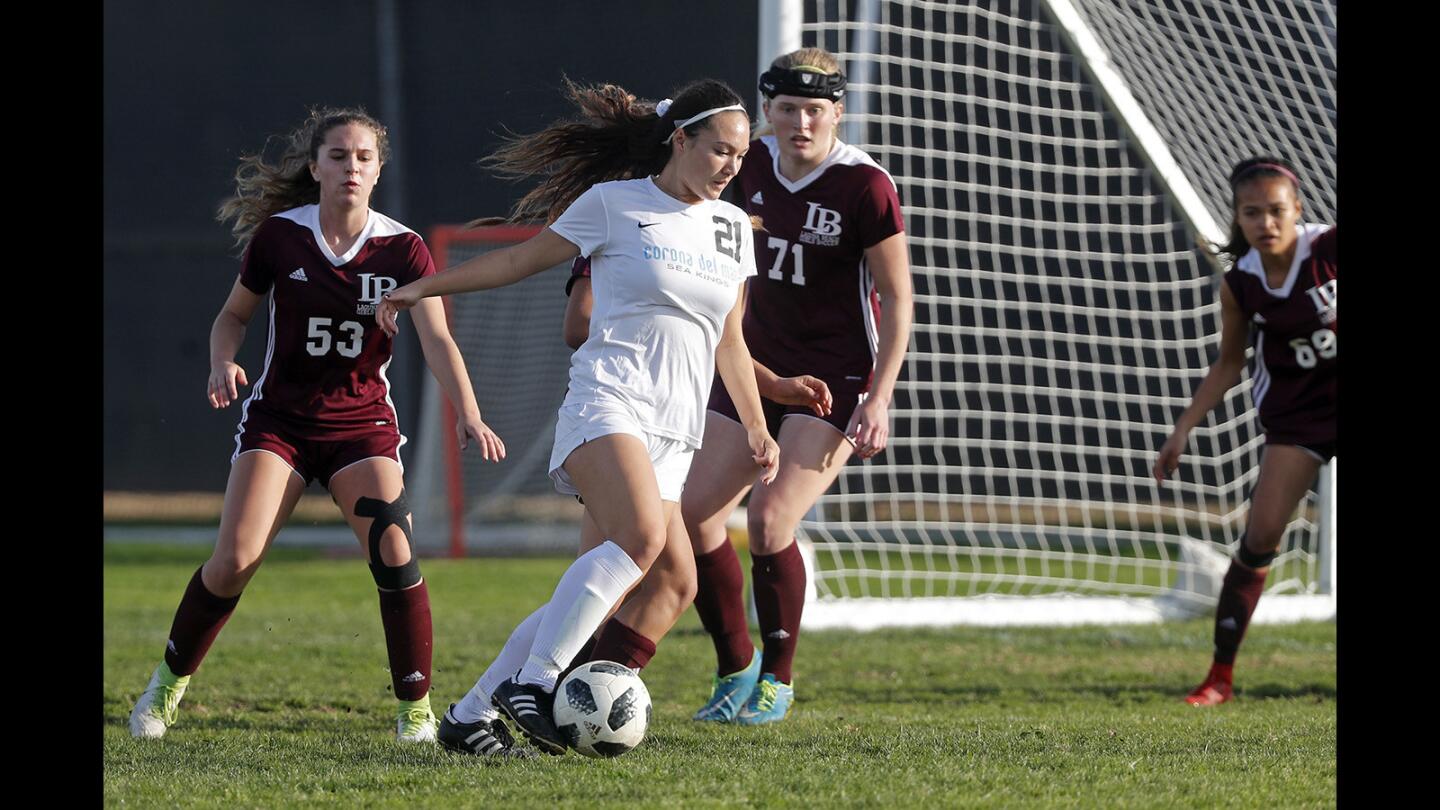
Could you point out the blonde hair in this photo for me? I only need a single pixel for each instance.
(817, 60)
(813, 60)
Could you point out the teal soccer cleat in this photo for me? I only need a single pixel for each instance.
(728, 694)
(768, 703)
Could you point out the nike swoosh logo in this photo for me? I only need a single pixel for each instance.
(646, 224)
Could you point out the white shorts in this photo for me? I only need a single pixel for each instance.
(581, 423)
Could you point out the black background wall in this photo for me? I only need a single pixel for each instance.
(189, 87)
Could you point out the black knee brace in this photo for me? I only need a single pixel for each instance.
(396, 578)
(1250, 559)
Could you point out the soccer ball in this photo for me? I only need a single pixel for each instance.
(602, 709)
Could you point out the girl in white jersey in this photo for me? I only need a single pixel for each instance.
(668, 264)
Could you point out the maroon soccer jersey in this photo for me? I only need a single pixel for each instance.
(813, 308)
(1294, 379)
(326, 356)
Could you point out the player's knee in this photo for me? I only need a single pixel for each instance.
(643, 543)
(226, 574)
(390, 542)
(1263, 536)
(770, 528)
(672, 587)
(395, 547)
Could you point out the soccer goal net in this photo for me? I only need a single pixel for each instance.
(1058, 161)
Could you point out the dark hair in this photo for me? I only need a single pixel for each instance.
(263, 189)
(1245, 171)
(615, 137)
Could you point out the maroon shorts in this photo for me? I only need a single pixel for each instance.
(844, 402)
(1324, 451)
(316, 454)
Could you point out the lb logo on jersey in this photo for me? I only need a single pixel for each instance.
(822, 226)
(1324, 299)
(372, 288)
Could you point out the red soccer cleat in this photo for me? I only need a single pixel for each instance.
(1214, 691)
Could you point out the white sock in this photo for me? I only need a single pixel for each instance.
(475, 706)
(590, 587)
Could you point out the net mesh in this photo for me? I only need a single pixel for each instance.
(1063, 315)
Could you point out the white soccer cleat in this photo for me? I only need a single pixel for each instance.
(158, 705)
(416, 722)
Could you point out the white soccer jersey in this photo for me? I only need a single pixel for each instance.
(664, 274)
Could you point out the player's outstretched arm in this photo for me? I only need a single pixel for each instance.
(889, 263)
(496, 268)
(443, 358)
(226, 335)
(1223, 375)
(737, 371)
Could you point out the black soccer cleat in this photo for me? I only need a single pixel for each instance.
(529, 707)
(487, 738)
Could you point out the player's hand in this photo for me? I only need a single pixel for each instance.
(1169, 459)
(812, 392)
(870, 427)
(473, 427)
(222, 388)
(388, 312)
(765, 452)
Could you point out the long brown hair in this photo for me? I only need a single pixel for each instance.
(615, 137)
(263, 189)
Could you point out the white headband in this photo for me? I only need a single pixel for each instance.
(692, 119)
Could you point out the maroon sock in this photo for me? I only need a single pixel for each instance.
(622, 645)
(197, 622)
(406, 616)
(1238, 597)
(720, 601)
(779, 581)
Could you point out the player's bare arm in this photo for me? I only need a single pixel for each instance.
(889, 263)
(226, 335)
(737, 371)
(576, 326)
(484, 272)
(443, 358)
(1223, 375)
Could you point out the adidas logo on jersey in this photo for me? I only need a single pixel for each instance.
(757, 199)
(299, 274)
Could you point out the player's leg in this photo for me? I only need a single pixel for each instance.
(721, 474)
(472, 724)
(371, 495)
(632, 634)
(1286, 473)
(261, 492)
(616, 479)
(812, 453)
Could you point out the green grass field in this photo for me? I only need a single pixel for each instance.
(293, 706)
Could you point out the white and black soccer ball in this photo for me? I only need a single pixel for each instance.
(602, 709)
